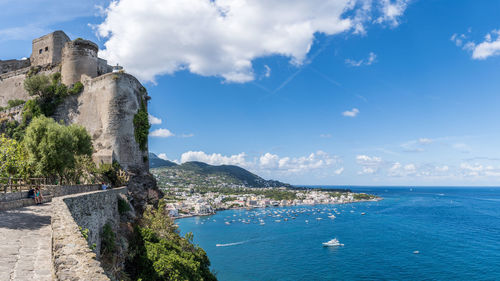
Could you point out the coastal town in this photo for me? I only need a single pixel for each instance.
(189, 193)
(187, 202)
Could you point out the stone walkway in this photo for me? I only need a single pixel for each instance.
(26, 244)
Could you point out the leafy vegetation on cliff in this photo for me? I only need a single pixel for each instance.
(141, 127)
(158, 252)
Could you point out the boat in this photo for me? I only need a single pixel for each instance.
(363, 214)
(416, 252)
(333, 242)
(228, 223)
(332, 217)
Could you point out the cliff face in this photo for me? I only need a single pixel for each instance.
(106, 108)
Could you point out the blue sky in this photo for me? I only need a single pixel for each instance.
(309, 92)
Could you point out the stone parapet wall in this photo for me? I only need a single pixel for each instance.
(52, 190)
(72, 257)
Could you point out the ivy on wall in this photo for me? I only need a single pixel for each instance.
(141, 127)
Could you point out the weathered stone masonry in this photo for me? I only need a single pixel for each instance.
(72, 257)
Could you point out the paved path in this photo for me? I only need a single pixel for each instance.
(26, 244)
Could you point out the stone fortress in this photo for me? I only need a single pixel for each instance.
(106, 106)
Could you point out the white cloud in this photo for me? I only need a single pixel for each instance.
(163, 156)
(326, 136)
(222, 37)
(161, 133)
(271, 164)
(416, 145)
(372, 58)
(186, 135)
(268, 71)
(425, 171)
(392, 11)
(478, 170)
(154, 120)
(489, 47)
(339, 171)
(352, 113)
(425, 140)
(483, 50)
(443, 168)
(313, 161)
(214, 158)
(369, 164)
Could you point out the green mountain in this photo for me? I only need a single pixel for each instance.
(202, 174)
(156, 162)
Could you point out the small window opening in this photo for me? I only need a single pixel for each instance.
(40, 51)
(46, 49)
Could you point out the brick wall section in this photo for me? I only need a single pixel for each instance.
(73, 259)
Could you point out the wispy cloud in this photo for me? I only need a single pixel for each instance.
(351, 113)
(489, 47)
(161, 133)
(154, 120)
(372, 58)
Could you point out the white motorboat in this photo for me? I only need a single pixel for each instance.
(332, 243)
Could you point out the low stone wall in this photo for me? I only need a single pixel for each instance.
(51, 190)
(73, 259)
(62, 190)
(8, 205)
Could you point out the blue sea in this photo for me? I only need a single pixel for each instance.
(456, 232)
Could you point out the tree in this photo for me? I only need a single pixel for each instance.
(13, 158)
(53, 147)
(157, 252)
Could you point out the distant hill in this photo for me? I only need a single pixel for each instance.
(156, 162)
(204, 174)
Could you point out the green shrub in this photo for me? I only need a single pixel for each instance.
(14, 103)
(108, 240)
(77, 88)
(123, 206)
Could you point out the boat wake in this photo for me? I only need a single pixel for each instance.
(231, 244)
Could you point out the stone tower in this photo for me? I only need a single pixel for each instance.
(48, 49)
(78, 57)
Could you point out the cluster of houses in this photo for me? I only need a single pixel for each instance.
(188, 203)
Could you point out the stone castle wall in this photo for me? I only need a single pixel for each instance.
(13, 65)
(72, 257)
(12, 83)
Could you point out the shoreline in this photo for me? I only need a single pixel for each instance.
(251, 208)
